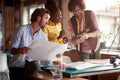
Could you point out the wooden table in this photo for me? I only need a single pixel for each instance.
(43, 75)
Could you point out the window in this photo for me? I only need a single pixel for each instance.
(107, 12)
(28, 11)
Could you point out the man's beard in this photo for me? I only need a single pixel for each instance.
(41, 26)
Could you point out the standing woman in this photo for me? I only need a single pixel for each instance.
(53, 28)
(83, 30)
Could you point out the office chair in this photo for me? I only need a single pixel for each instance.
(4, 71)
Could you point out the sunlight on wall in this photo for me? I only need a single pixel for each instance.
(97, 5)
(108, 14)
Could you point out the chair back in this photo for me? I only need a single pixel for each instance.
(3, 62)
(66, 59)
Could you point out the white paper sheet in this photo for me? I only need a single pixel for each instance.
(98, 61)
(45, 50)
(103, 62)
(80, 65)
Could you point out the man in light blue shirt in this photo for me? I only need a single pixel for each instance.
(22, 38)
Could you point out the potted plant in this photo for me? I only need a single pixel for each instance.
(104, 36)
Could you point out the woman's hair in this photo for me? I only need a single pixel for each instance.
(54, 11)
(51, 4)
(38, 12)
(73, 3)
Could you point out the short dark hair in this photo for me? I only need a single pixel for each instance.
(38, 12)
(73, 3)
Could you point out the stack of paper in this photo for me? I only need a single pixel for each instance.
(103, 62)
(80, 65)
(97, 61)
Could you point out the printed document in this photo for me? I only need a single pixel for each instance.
(45, 50)
(80, 65)
(105, 62)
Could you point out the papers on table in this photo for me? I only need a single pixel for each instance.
(45, 50)
(97, 61)
(105, 62)
(88, 63)
(80, 65)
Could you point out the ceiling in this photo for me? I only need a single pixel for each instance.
(17, 2)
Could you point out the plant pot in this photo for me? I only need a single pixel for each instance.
(102, 45)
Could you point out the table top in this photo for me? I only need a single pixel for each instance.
(44, 75)
(92, 71)
(75, 74)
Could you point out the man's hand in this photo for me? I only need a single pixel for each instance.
(23, 50)
(84, 37)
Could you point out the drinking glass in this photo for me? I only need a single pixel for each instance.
(56, 71)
